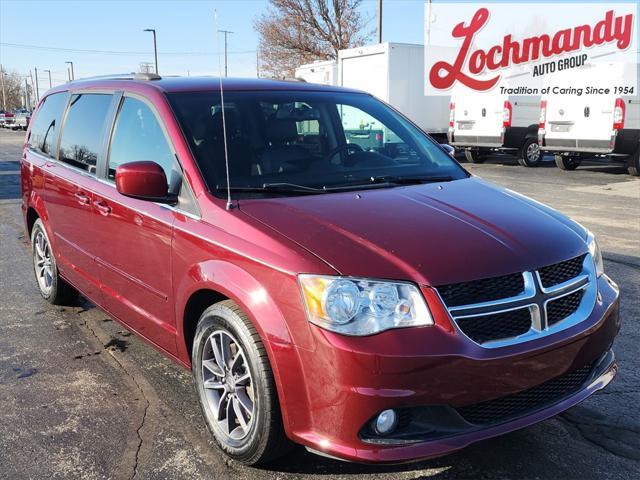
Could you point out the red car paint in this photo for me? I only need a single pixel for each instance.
(148, 265)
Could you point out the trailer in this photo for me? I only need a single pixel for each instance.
(324, 72)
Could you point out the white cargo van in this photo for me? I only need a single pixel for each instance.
(394, 73)
(487, 121)
(324, 72)
(576, 126)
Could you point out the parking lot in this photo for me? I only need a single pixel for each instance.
(83, 398)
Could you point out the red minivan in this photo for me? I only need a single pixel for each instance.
(370, 300)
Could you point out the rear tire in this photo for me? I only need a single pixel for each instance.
(51, 285)
(567, 163)
(633, 163)
(530, 154)
(238, 397)
(474, 156)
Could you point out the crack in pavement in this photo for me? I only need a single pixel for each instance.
(111, 348)
(619, 440)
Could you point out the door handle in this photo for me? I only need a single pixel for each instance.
(102, 207)
(81, 198)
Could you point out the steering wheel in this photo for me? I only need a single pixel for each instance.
(347, 146)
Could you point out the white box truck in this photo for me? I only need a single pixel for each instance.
(394, 73)
(575, 126)
(485, 122)
(324, 72)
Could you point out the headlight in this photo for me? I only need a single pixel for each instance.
(595, 252)
(359, 306)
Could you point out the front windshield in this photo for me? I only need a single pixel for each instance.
(306, 142)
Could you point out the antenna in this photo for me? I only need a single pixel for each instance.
(224, 122)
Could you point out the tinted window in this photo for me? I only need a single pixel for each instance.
(322, 140)
(138, 136)
(82, 134)
(43, 130)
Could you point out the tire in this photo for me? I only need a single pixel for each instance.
(567, 163)
(261, 438)
(474, 156)
(530, 154)
(633, 163)
(52, 287)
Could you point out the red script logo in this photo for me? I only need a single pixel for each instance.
(512, 52)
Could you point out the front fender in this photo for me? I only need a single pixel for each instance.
(281, 339)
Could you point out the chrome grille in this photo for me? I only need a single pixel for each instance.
(482, 290)
(496, 325)
(561, 272)
(540, 303)
(560, 309)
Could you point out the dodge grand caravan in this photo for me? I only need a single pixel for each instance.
(374, 303)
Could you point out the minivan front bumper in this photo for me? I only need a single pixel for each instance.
(350, 380)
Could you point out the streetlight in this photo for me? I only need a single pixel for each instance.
(73, 77)
(226, 32)
(49, 72)
(155, 48)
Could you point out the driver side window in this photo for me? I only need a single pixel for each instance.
(138, 136)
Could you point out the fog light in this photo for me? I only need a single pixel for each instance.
(386, 422)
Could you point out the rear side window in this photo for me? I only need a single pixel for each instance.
(138, 136)
(82, 135)
(46, 124)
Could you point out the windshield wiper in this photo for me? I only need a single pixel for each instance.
(283, 188)
(398, 180)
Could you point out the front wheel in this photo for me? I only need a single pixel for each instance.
(567, 163)
(530, 154)
(474, 156)
(633, 163)
(52, 287)
(235, 386)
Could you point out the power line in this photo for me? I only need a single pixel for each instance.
(115, 52)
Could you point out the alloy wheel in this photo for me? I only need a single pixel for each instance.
(533, 152)
(43, 263)
(228, 385)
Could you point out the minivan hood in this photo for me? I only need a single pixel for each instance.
(432, 234)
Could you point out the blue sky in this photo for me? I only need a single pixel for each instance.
(187, 40)
(185, 29)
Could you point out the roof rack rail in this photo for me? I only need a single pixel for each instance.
(122, 76)
(146, 76)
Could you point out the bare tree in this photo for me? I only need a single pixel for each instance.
(13, 90)
(293, 32)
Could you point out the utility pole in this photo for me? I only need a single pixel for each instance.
(258, 63)
(155, 48)
(226, 32)
(37, 85)
(4, 99)
(73, 76)
(49, 72)
(379, 21)
(27, 100)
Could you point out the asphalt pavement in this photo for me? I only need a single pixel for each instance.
(82, 398)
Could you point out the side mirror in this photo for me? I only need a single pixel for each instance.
(448, 149)
(143, 180)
